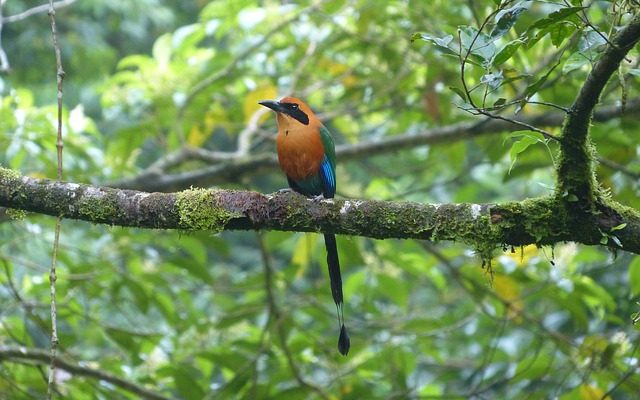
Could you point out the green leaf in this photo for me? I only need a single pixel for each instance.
(330, 7)
(500, 102)
(492, 79)
(575, 61)
(123, 339)
(593, 294)
(532, 134)
(136, 61)
(535, 87)
(444, 44)
(518, 147)
(184, 376)
(559, 32)
(191, 255)
(393, 289)
(187, 37)
(506, 52)
(555, 17)
(459, 92)
(162, 49)
(195, 247)
(533, 367)
(505, 19)
(139, 293)
(477, 43)
(591, 41)
(527, 139)
(194, 268)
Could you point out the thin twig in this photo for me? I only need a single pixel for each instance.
(618, 167)
(28, 307)
(245, 137)
(224, 72)
(219, 74)
(463, 60)
(24, 354)
(585, 20)
(632, 370)
(481, 110)
(557, 337)
(4, 60)
(154, 179)
(36, 10)
(56, 242)
(487, 359)
(278, 319)
(478, 111)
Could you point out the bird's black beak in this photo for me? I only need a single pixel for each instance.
(291, 109)
(272, 104)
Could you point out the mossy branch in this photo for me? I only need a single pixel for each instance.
(576, 169)
(484, 227)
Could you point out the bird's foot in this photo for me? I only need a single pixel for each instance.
(318, 198)
(284, 190)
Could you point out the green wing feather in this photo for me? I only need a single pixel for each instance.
(329, 146)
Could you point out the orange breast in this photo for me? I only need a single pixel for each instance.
(300, 151)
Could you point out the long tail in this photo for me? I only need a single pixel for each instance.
(333, 263)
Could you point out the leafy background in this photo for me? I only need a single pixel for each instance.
(249, 315)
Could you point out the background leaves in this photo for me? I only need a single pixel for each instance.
(240, 315)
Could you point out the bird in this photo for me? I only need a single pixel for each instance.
(307, 156)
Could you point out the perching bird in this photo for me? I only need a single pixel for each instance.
(307, 156)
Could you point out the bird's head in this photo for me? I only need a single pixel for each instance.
(289, 109)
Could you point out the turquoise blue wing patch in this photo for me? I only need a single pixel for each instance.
(328, 178)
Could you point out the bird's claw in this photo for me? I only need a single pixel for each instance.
(285, 190)
(318, 198)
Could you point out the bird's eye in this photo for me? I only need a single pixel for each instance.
(294, 106)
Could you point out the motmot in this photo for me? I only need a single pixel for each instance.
(307, 155)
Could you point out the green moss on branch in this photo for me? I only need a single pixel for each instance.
(199, 210)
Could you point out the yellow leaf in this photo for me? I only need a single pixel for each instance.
(349, 80)
(334, 68)
(197, 136)
(523, 256)
(302, 253)
(588, 392)
(509, 290)
(264, 92)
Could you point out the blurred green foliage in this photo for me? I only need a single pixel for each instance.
(189, 315)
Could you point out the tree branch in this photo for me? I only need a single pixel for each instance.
(4, 60)
(41, 9)
(576, 173)
(483, 226)
(278, 320)
(23, 354)
(156, 179)
(56, 239)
